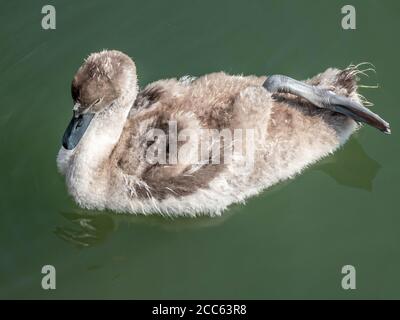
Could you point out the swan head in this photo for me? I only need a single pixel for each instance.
(105, 79)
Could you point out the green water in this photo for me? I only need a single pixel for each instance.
(289, 242)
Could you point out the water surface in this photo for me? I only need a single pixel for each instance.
(289, 242)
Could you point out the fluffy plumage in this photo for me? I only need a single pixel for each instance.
(108, 168)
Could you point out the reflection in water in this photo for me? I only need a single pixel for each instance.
(351, 166)
(85, 230)
(90, 228)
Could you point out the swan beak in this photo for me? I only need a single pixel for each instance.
(76, 129)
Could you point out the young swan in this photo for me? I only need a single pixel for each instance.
(264, 130)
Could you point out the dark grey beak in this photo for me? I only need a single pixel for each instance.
(76, 129)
